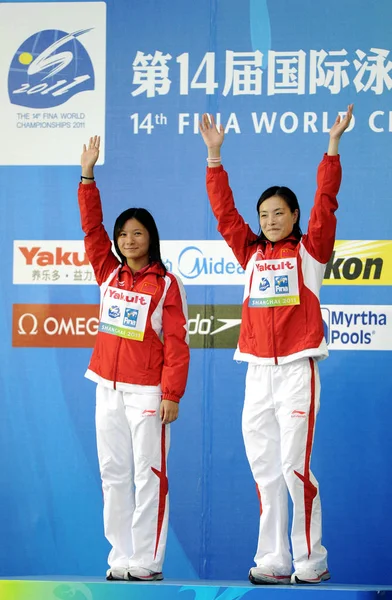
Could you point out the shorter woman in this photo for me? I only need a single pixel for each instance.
(140, 364)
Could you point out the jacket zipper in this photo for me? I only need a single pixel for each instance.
(116, 364)
(118, 350)
(120, 340)
(273, 334)
(273, 320)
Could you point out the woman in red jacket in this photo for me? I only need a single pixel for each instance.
(140, 364)
(282, 339)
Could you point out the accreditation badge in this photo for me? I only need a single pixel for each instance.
(274, 283)
(124, 313)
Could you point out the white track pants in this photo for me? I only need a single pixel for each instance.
(132, 452)
(279, 416)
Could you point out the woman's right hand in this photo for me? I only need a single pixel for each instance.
(90, 156)
(212, 137)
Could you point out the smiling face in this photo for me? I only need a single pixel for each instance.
(276, 219)
(134, 242)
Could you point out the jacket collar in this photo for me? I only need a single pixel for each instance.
(153, 268)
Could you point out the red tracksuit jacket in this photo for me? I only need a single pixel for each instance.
(120, 363)
(281, 334)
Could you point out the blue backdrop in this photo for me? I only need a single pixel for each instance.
(260, 58)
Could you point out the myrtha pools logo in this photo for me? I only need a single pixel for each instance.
(49, 68)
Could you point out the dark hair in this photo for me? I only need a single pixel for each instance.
(292, 202)
(147, 220)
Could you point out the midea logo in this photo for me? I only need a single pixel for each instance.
(192, 263)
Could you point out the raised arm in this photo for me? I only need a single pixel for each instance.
(231, 225)
(320, 239)
(97, 242)
(213, 139)
(337, 130)
(88, 159)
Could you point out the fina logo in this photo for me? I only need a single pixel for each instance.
(281, 284)
(42, 77)
(130, 317)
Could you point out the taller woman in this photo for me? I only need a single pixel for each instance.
(282, 339)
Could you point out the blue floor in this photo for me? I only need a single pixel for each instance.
(93, 588)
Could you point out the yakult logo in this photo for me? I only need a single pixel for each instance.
(127, 297)
(49, 68)
(51, 262)
(265, 266)
(43, 258)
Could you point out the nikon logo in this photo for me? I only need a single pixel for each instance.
(353, 268)
(360, 263)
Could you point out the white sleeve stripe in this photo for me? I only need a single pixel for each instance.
(184, 305)
(156, 316)
(312, 271)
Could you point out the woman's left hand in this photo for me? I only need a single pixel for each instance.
(168, 411)
(340, 124)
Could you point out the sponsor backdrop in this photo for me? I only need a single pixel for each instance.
(275, 74)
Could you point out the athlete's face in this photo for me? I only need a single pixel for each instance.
(134, 241)
(276, 219)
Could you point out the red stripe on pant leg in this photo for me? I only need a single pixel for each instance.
(310, 490)
(259, 497)
(163, 487)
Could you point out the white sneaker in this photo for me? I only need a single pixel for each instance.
(263, 576)
(141, 574)
(310, 576)
(117, 573)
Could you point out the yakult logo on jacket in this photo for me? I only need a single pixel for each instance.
(49, 68)
(285, 264)
(127, 297)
